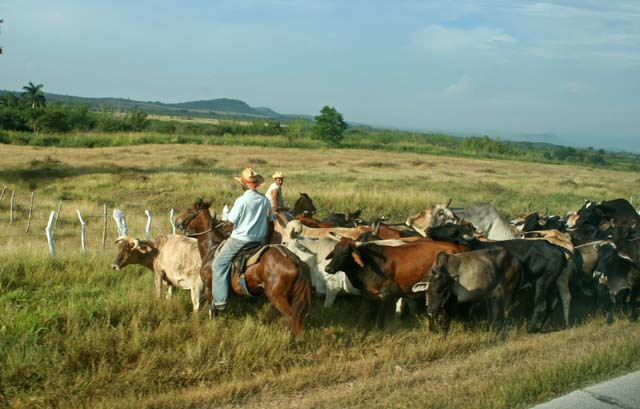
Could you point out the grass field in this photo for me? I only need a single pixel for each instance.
(73, 333)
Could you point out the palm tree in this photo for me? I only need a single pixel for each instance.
(34, 95)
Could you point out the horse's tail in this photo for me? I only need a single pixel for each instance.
(300, 296)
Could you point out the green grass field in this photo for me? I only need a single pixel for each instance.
(74, 333)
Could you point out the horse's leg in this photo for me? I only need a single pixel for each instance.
(278, 298)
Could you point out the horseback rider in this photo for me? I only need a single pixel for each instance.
(252, 221)
(274, 193)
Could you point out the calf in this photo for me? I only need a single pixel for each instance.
(174, 259)
(480, 275)
(619, 274)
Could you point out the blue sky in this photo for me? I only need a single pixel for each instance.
(505, 68)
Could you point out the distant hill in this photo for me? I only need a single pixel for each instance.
(212, 108)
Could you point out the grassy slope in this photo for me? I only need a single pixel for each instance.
(74, 333)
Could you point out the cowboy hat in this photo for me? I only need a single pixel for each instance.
(278, 175)
(250, 178)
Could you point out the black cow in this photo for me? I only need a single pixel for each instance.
(543, 265)
(619, 273)
(535, 222)
(620, 210)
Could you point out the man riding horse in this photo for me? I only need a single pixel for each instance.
(252, 221)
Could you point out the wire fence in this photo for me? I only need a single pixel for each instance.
(24, 221)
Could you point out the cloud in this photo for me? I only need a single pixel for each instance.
(463, 86)
(439, 38)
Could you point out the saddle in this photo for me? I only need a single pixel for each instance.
(245, 258)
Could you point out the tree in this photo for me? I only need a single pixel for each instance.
(34, 95)
(329, 126)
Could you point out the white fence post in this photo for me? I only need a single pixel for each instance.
(147, 232)
(121, 224)
(173, 225)
(49, 233)
(30, 213)
(84, 239)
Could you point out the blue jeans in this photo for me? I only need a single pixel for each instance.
(222, 270)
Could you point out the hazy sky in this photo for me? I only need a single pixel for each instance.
(570, 68)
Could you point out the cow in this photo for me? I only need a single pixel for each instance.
(296, 228)
(535, 222)
(471, 277)
(619, 275)
(385, 273)
(173, 259)
(543, 265)
(620, 210)
(313, 252)
(484, 216)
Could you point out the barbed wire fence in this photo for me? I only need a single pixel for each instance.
(47, 226)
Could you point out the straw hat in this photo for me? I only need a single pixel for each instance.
(250, 178)
(278, 175)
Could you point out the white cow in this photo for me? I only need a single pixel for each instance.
(313, 252)
(174, 259)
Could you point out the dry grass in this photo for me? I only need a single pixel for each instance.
(75, 334)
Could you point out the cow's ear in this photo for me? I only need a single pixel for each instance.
(330, 255)
(356, 258)
(441, 260)
(144, 249)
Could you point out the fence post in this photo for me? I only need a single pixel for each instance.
(55, 224)
(121, 223)
(147, 232)
(104, 229)
(13, 200)
(4, 188)
(84, 239)
(30, 212)
(49, 232)
(173, 225)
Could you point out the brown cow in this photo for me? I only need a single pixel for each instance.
(384, 273)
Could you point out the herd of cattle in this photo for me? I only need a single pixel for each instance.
(467, 261)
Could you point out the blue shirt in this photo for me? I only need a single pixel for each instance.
(250, 215)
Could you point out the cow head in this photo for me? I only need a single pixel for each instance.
(613, 273)
(439, 290)
(304, 204)
(344, 257)
(421, 220)
(442, 214)
(130, 251)
(452, 233)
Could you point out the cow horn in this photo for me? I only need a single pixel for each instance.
(376, 227)
(136, 243)
(613, 225)
(529, 208)
(449, 202)
(121, 238)
(546, 211)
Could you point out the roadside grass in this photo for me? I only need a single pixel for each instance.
(74, 333)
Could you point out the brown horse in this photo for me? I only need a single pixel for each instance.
(279, 274)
